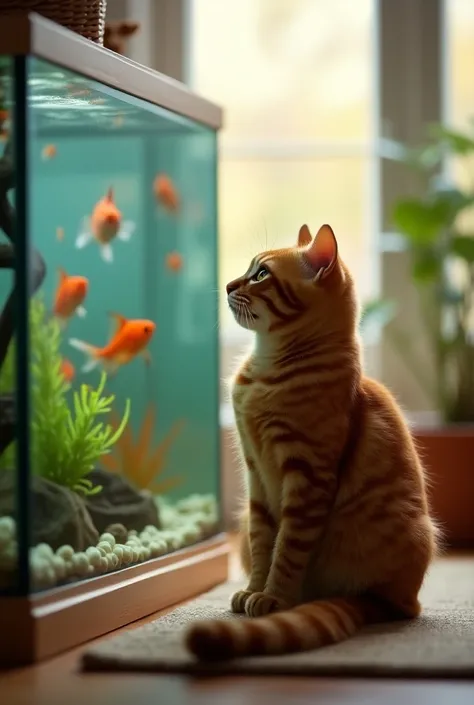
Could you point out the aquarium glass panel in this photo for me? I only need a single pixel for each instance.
(9, 575)
(123, 329)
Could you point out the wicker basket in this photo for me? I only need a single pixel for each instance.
(86, 17)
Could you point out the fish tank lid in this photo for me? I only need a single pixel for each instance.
(30, 33)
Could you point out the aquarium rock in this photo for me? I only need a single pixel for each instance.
(119, 503)
(59, 515)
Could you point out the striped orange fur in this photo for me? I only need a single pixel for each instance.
(336, 532)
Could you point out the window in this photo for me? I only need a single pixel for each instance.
(459, 93)
(296, 80)
(459, 34)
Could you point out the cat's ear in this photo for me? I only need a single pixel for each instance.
(304, 236)
(321, 255)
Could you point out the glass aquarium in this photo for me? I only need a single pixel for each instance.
(109, 432)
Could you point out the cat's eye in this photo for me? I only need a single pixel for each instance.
(261, 274)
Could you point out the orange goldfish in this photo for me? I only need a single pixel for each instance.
(68, 370)
(129, 339)
(174, 261)
(166, 193)
(60, 233)
(49, 151)
(104, 225)
(4, 124)
(70, 294)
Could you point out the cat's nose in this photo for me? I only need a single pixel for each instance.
(232, 286)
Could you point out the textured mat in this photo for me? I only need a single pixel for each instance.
(439, 643)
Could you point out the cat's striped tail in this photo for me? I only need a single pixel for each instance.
(303, 628)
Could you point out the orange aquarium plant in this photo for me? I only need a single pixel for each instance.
(137, 459)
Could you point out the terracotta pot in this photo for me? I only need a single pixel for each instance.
(448, 455)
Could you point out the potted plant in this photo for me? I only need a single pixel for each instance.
(437, 231)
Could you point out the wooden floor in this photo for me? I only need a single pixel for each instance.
(59, 682)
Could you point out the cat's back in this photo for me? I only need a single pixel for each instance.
(381, 470)
(381, 501)
(379, 418)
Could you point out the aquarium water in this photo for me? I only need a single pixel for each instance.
(123, 341)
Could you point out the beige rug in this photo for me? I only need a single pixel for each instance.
(440, 643)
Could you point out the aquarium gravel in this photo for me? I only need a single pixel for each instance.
(183, 523)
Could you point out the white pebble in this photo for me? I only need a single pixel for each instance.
(7, 530)
(44, 549)
(66, 552)
(157, 548)
(200, 519)
(109, 538)
(59, 566)
(127, 555)
(112, 561)
(189, 534)
(94, 555)
(135, 554)
(103, 565)
(42, 572)
(118, 551)
(172, 541)
(145, 553)
(81, 563)
(105, 546)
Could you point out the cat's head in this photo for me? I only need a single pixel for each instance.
(305, 285)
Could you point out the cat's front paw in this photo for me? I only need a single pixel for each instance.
(262, 603)
(239, 600)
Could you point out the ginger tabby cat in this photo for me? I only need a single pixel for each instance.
(337, 533)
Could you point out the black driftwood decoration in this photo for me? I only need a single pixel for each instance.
(7, 316)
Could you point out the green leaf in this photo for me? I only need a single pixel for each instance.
(422, 221)
(451, 201)
(425, 158)
(418, 221)
(463, 246)
(426, 266)
(458, 142)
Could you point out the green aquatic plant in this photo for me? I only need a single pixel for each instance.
(86, 439)
(7, 373)
(66, 442)
(7, 385)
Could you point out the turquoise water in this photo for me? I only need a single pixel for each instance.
(84, 139)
